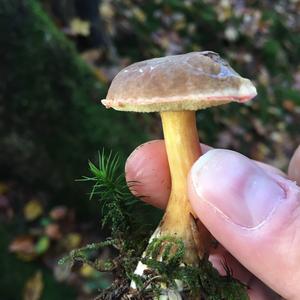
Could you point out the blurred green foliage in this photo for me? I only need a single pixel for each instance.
(51, 119)
(261, 41)
(51, 123)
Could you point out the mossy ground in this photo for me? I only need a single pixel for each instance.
(51, 118)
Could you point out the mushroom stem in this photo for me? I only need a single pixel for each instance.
(183, 149)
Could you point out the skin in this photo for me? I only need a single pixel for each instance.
(249, 252)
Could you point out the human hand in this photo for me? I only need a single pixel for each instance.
(251, 208)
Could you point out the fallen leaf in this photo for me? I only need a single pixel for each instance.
(264, 77)
(3, 188)
(106, 10)
(87, 271)
(289, 105)
(80, 27)
(53, 231)
(34, 287)
(139, 14)
(42, 245)
(72, 240)
(22, 244)
(101, 76)
(259, 126)
(231, 33)
(58, 212)
(23, 247)
(91, 55)
(32, 210)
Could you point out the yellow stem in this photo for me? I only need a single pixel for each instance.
(183, 149)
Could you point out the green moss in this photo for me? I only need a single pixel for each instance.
(51, 119)
(164, 256)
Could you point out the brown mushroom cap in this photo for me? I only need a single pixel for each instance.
(191, 81)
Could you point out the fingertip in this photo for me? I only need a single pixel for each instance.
(147, 173)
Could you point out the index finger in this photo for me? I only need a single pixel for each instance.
(148, 175)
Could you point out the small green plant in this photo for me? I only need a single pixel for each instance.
(128, 239)
(109, 186)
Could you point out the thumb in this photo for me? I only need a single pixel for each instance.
(253, 213)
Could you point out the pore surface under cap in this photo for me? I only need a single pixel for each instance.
(189, 81)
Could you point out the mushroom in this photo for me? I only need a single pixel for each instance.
(177, 86)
